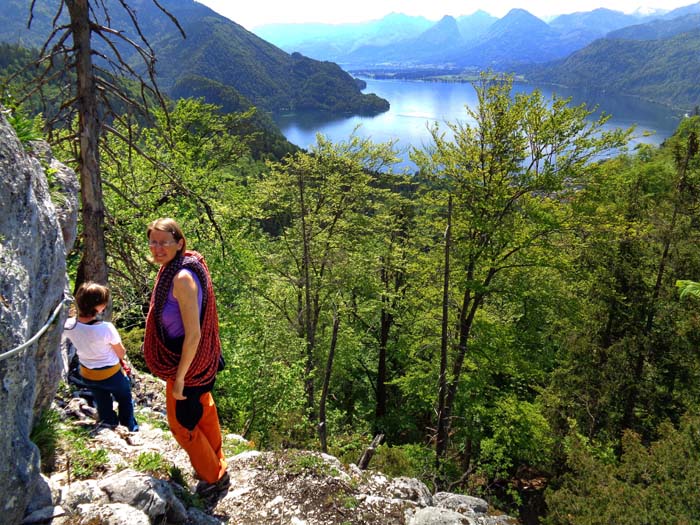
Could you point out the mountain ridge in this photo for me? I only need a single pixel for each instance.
(647, 73)
(217, 48)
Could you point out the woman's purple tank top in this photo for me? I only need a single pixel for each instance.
(172, 320)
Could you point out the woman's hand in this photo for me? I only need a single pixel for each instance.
(178, 386)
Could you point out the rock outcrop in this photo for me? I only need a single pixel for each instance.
(137, 481)
(32, 285)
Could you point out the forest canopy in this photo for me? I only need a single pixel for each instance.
(508, 313)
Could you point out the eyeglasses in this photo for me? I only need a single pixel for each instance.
(161, 244)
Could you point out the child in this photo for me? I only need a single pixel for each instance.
(100, 351)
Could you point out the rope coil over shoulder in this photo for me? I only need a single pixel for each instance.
(163, 361)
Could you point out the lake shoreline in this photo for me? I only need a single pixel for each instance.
(467, 78)
(414, 104)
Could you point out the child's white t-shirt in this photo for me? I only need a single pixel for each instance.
(93, 342)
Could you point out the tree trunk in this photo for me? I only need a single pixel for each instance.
(442, 415)
(93, 265)
(307, 312)
(366, 457)
(322, 427)
(386, 321)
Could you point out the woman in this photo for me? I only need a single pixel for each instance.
(100, 352)
(182, 346)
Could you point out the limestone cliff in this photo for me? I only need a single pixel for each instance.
(33, 235)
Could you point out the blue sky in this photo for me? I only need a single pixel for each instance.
(251, 14)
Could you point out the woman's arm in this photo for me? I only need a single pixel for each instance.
(185, 290)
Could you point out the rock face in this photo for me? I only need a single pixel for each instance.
(32, 284)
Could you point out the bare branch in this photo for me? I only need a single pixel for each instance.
(184, 190)
(172, 18)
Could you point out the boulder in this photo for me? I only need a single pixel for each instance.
(154, 497)
(460, 503)
(439, 516)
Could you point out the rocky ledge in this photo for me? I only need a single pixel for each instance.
(278, 487)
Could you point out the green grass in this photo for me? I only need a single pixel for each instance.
(45, 436)
(83, 461)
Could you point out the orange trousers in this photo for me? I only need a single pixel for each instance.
(203, 444)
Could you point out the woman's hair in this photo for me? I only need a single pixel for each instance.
(89, 296)
(166, 224)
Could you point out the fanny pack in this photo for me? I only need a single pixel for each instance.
(99, 374)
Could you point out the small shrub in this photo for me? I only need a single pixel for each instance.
(26, 128)
(349, 502)
(181, 491)
(152, 463)
(45, 436)
(237, 447)
(310, 463)
(153, 419)
(132, 341)
(176, 475)
(412, 460)
(348, 446)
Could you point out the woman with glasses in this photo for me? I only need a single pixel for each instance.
(182, 347)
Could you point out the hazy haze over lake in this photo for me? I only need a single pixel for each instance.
(416, 103)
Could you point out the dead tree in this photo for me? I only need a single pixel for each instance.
(95, 85)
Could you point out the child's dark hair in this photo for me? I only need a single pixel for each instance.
(89, 296)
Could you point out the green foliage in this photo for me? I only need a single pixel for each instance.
(268, 404)
(520, 436)
(182, 491)
(265, 139)
(318, 209)
(85, 461)
(177, 475)
(26, 128)
(688, 288)
(656, 483)
(628, 360)
(156, 420)
(412, 460)
(503, 181)
(45, 435)
(237, 447)
(309, 464)
(132, 341)
(152, 463)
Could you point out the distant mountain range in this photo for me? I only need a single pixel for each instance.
(652, 55)
(475, 40)
(217, 56)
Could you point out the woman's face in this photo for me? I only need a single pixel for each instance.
(163, 246)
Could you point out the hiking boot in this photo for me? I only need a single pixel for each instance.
(207, 489)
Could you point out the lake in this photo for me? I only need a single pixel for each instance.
(416, 103)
